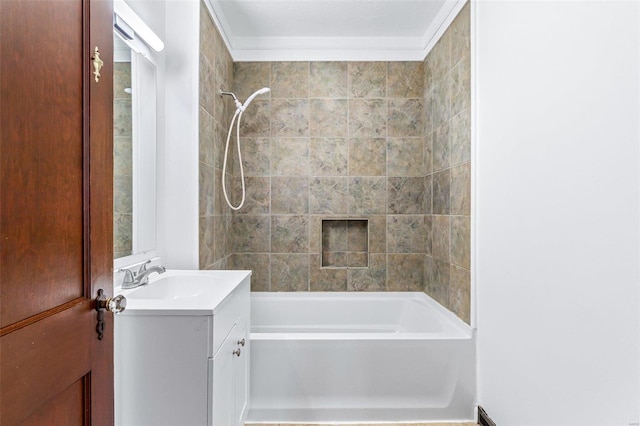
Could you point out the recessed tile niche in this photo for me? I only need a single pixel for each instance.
(345, 243)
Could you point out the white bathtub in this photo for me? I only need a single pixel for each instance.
(358, 357)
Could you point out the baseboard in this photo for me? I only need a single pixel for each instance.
(484, 419)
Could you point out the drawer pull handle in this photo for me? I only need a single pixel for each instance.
(237, 352)
(241, 342)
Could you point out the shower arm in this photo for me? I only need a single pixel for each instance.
(235, 99)
(239, 105)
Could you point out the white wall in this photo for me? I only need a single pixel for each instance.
(177, 22)
(178, 157)
(557, 212)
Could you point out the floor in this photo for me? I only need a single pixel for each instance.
(369, 424)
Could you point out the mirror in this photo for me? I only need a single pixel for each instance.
(134, 150)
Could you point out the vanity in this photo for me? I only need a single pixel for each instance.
(182, 350)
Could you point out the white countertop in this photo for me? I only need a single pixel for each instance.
(182, 292)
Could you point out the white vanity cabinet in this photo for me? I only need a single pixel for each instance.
(182, 366)
(229, 379)
(229, 367)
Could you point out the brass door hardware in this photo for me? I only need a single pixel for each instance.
(97, 64)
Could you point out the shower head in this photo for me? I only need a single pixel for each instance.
(256, 93)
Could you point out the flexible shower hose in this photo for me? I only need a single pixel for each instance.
(237, 114)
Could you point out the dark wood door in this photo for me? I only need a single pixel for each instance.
(55, 212)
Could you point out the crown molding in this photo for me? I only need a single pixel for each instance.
(440, 24)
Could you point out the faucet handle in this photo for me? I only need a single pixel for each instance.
(143, 267)
(128, 276)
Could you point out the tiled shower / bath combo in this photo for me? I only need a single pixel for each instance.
(357, 173)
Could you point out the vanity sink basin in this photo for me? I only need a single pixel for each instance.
(173, 287)
(177, 292)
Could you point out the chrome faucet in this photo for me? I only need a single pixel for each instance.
(135, 279)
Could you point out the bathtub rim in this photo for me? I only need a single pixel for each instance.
(456, 329)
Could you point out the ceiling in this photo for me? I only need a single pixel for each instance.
(289, 30)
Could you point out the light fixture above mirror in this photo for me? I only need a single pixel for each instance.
(128, 25)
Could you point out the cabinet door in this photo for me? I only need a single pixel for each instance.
(242, 371)
(223, 383)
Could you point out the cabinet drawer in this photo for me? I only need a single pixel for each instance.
(228, 312)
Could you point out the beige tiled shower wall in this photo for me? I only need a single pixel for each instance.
(333, 140)
(216, 71)
(347, 140)
(448, 131)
